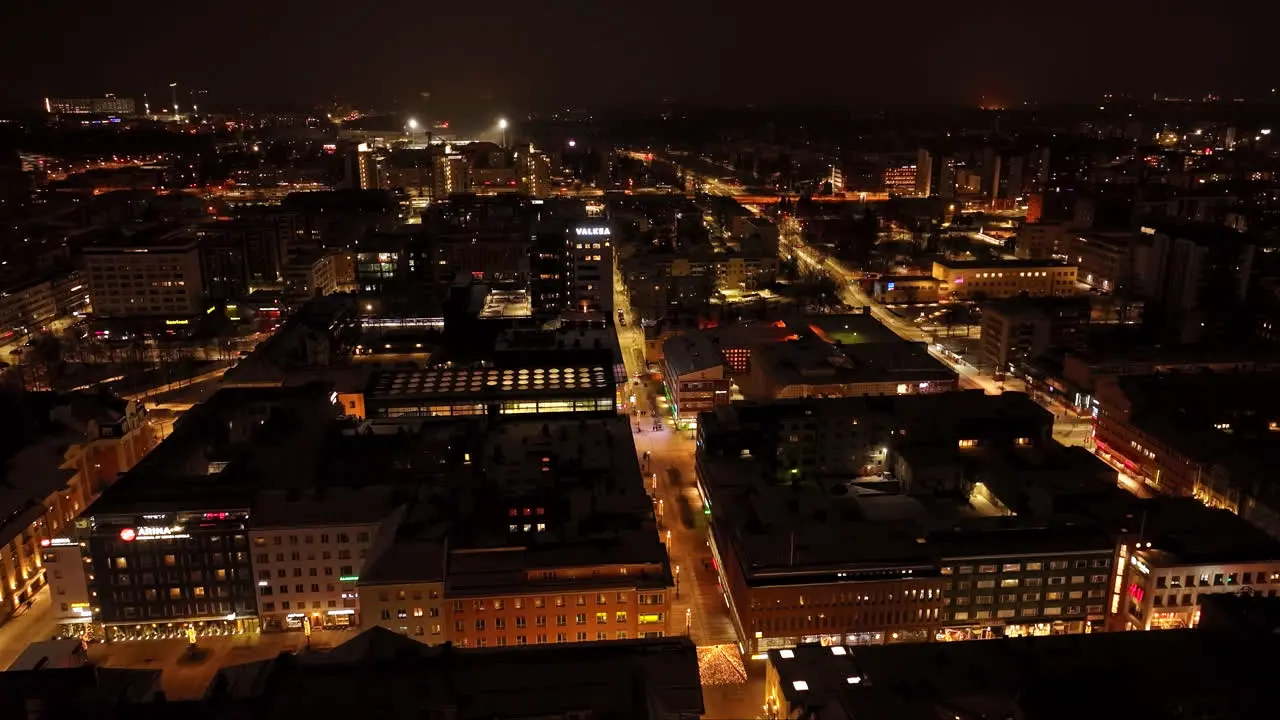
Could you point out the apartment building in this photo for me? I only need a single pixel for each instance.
(309, 549)
(402, 590)
(585, 593)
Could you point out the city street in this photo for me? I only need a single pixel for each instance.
(699, 601)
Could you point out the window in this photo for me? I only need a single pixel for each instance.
(480, 624)
(498, 605)
(417, 612)
(560, 621)
(580, 619)
(620, 617)
(602, 618)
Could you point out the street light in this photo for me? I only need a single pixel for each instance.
(502, 125)
(413, 124)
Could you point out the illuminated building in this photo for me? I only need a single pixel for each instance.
(1213, 552)
(900, 180)
(148, 275)
(168, 543)
(53, 480)
(823, 517)
(402, 590)
(977, 279)
(1209, 435)
(443, 392)
(152, 572)
(310, 548)
(591, 254)
(109, 105)
(589, 592)
(694, 374)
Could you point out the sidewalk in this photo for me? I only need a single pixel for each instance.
(33, 625)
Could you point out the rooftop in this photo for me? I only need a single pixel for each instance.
(406, 561)
(394, 677)
(483, 383)
(999, 264)
(1025, 677)
(691, 353)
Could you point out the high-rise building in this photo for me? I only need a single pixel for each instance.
(591, 252)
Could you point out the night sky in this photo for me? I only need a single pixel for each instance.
(540, 54)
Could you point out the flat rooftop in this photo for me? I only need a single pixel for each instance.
(1000, 264)
(445, 383)
(1026, 677)
(404, 679)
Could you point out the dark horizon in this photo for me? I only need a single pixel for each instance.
(507, 57)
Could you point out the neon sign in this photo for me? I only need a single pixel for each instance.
(152, 532)
(1141, 566)
(593, 231)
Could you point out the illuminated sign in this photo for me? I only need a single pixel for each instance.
(890, 286)
(57, 542)
(1141, 566)
(349, 578)
(593, 231)
(1136, 592)
(152, 532)
(177, 322)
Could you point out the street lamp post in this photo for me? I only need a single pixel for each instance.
(502, 125)
(173, 86)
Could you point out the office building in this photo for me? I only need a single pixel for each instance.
(1185, 552)
(979, 279)
(900, 179)
(150, 274)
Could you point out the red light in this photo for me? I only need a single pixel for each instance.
(45, 542)
(1136, 592)
(128, 534)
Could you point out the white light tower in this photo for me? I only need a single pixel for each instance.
(502, 125)
(173, 86)
(412, 126)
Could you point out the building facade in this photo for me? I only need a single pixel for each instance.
(154, 279)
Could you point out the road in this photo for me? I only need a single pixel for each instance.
(698, 597)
